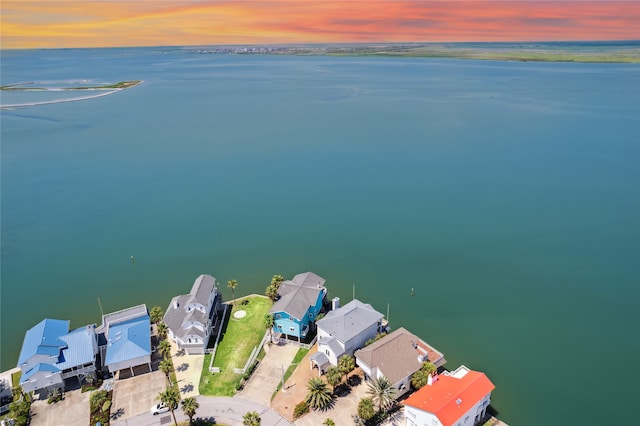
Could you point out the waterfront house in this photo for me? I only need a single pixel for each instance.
(343, 330)
(51, 354)
(124, 339)
(457, 398)
(300, 301)
(190, 318)
(397, 356)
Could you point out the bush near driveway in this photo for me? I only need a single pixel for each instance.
(239, 338)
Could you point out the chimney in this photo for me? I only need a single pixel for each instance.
(429, 380)
(175, 303)
(335, 303)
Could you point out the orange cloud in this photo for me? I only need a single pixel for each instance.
(95, 23)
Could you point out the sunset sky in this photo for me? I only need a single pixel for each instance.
(96, 23)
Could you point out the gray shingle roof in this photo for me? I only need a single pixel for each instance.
(349, 320)
(396, 355)
(297, 295)
(175, 317)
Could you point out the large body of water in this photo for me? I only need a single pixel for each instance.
(507, 194)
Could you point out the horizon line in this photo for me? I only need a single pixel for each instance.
(361, 43)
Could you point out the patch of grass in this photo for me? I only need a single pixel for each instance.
(15, 379)
(236, 343)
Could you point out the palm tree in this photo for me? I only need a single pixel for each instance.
(189, 407)
(170, 397)
(346, 364)
(329, 422)
(165, 348)
(156, 314)
(277, 280)
(232, 284)
(166, 367)
(319, 396)
(252, 418)
(162, 330)
(366, 410)
(272, 292)
(382, 392)
(268, 324)
(334, 377)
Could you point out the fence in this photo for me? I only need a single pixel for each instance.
(213, 369)
(252, 357)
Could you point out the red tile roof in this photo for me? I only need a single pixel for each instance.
(450, 398)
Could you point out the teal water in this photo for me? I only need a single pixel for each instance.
(507, 194)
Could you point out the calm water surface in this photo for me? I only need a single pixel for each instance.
(507, 194)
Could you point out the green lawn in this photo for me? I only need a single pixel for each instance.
(235, 346)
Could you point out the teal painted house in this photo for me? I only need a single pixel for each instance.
(300, 302)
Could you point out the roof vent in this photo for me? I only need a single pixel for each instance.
(458, 401)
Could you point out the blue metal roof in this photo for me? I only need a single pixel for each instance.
(79, 350)
(40, 367)
(129, 340)
(43, 339)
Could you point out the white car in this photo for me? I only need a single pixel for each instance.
(161, 408)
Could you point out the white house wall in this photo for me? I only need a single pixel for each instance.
(417, 417)
(326, 349)
(365, 368)
(145, 359)
(403, 386)
(358, 341)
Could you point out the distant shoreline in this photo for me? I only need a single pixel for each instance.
(534, 52)
(106, 89)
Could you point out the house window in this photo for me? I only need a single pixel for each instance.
(189, 340)
(326, 351)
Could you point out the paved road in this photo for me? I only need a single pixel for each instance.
(223, 410)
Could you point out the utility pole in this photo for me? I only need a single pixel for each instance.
(283, 389)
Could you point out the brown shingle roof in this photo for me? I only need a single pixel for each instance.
(398, 355)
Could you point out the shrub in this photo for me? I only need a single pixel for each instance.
(301, 409)
(20, 411)
(54, 396)
(97, 399)
(106, 406)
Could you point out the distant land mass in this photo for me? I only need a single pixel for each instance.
(606, 51)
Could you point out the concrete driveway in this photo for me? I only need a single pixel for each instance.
(226, 411)
(73, 410)
(135, 395)
(188, 370)
(264, 381)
